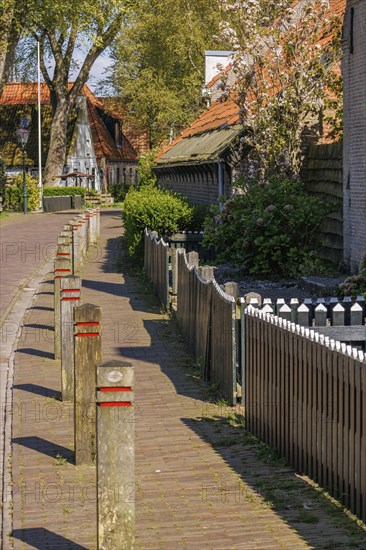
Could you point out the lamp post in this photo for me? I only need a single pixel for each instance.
(22, 134)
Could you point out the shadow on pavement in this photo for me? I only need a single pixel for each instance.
(305, 509)
(41, 538)
(45, 447)
(39, 326)
(39, 390)
(37, 352)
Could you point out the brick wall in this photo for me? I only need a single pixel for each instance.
(354, 152)
(198, 183)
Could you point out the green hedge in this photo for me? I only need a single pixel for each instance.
(157, 209)
(62, 191)
(14, 193)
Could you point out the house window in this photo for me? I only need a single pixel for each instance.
(118, 175)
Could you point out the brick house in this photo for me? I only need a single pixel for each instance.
(98, 152)
(354, 144)
(200, 163)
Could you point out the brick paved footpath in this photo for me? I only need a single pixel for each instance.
(197, 485)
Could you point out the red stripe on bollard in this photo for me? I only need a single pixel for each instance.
(115, 389)
(88, 324)
(70, 290)
(116, 404)
(83, 334)
(69, 299)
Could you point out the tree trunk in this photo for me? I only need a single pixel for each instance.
(9, 38)
(57, 150)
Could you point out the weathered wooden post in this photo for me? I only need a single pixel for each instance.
(97, 211)
(87, 354)
(207, 272)
(174, 264)
(62, 268)
(232, 289)
(70, 298)
(193, 259)
(75, 246)
(115, 456)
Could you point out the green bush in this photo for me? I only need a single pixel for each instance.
(14, 193)
(118, 192)
(157, 209)
(144, 169)
(62, 191)
(269, 230)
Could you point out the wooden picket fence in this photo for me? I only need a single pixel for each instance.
(156, 265)
(306, 397)
(303, 390)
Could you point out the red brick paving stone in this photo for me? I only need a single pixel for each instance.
(26, 241)
(171, 510)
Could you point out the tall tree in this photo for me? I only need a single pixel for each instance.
(159, 62)
(65, 28)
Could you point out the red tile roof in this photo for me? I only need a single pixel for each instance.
(26, 93)
(139, 138)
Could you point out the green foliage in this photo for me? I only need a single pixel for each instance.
(118, 192)
(14, 193)
(144, 169)
(270, 229)
(159, 67)
(63, 191)
(157, 209)
(355, 285)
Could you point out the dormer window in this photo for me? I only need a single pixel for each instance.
(118, 134)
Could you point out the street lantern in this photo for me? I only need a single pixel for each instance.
(22, 134)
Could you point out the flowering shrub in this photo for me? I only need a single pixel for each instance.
(270, 229)
(284, 77)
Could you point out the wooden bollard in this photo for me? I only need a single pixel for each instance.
(97, 225)
(87, 354)
(70, 298)
(115, 456)
(62, 269)
(75, 246)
